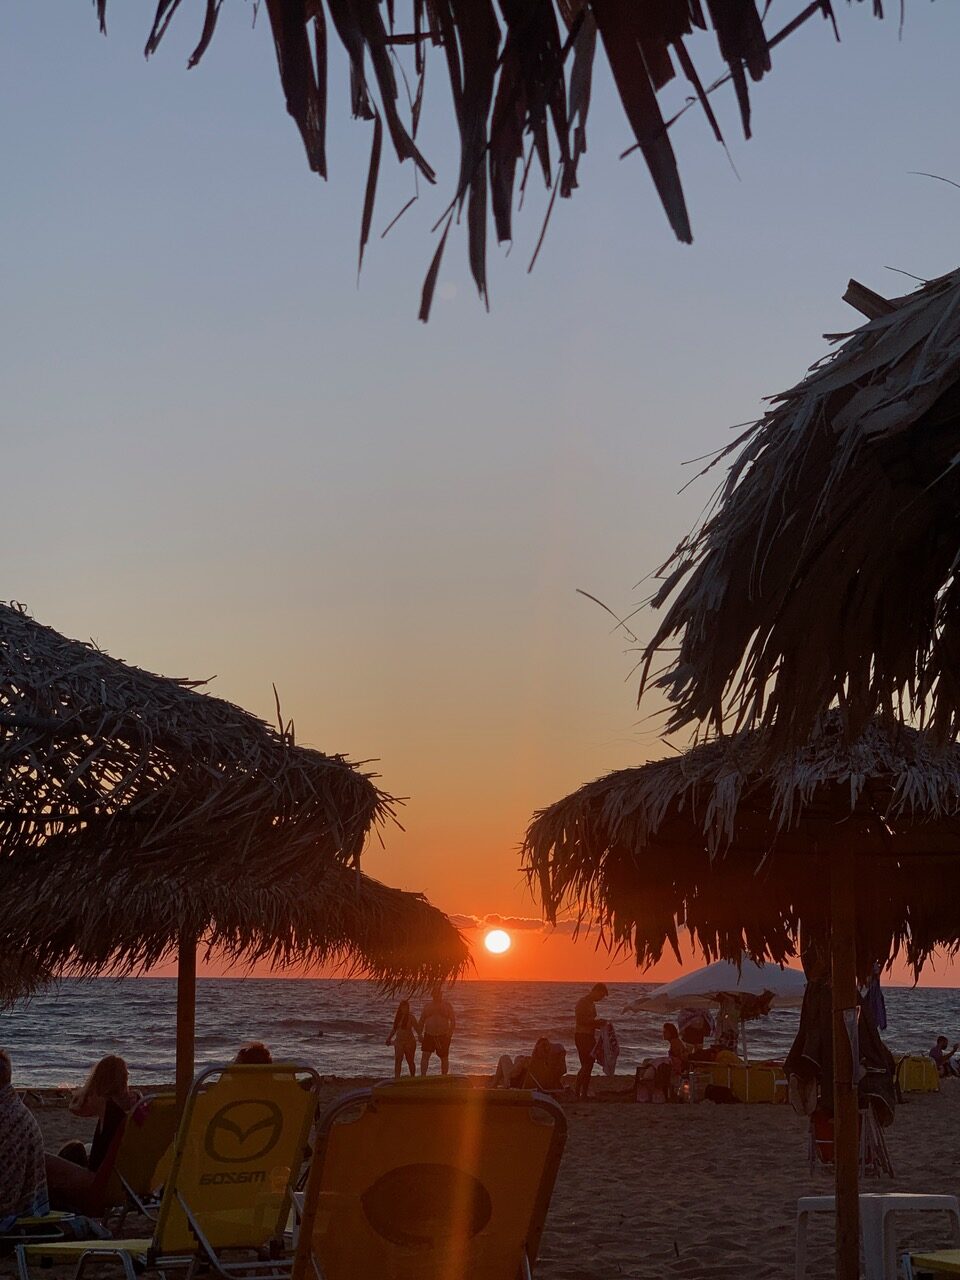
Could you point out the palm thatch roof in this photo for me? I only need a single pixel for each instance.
(105, 761)
(327, 915)
(738, 852)
(520, 86)
(828, 568)
(135, 810)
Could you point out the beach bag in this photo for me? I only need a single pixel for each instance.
(607, 1049)
(719, 1093)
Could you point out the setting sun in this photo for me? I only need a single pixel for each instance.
(497, 941)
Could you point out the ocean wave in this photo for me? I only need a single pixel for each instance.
(350, 1025)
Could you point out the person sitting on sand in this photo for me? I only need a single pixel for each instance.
(652, 1081)
(23, 1180)
(586, 1025)
(944, 1060)
(403, 1037)
(253, 1054)
(545, 1066)
(107, 1096)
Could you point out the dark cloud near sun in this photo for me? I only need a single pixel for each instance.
(518, 924)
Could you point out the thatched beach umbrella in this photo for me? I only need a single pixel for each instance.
(520, 77)
(828, 570)
(861, 839)
(139, 816)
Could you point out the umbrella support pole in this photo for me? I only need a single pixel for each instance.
(846, 1121)
(186, 1015)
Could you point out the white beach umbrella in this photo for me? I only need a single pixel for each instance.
(710, 985)
(726, 984)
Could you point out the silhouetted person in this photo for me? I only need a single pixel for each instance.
(403, 1037)
(254, 1054)
(437, 1025)
(584, 1035)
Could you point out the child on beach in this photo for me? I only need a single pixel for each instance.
(403, 1037)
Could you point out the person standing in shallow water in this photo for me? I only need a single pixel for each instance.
(437, 1025)
(584, 1035)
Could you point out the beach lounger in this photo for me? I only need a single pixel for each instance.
(237, 1154)
(430, 1183)
(148, 1135)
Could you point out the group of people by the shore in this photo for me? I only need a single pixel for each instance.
(433, 1029)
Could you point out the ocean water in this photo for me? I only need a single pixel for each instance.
(340, 1027)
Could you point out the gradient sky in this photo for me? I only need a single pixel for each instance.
(222, 457)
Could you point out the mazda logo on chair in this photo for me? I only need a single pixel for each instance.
(243, 1131)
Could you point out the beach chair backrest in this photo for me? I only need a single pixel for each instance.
(432, 1183)
(238, 1153)
(147, 1136)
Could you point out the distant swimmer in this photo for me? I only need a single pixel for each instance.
(437, 1025)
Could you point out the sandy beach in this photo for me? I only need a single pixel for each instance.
(700, 1191)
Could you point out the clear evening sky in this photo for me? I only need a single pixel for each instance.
(223, 458)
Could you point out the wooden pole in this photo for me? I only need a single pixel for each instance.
(186, 1015)
(846, 1123)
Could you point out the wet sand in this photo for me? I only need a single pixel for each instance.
(701, 1191)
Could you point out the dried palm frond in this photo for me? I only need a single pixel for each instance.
(520, 85)
(737, 851)
(828, 569)
(135, 809)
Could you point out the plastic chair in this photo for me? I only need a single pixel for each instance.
(877, 1222)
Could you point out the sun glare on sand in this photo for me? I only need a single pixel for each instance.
(497, 941)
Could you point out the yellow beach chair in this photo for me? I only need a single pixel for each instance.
(431, 1183)
(237, 1155)
(147, 1137)
(917, 1266)
(917, 1074)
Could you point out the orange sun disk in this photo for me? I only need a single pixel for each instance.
(497, 941)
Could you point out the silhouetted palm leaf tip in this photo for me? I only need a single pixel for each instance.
(520, 77)
(134, 808)
(736, 851)
(827, 571)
